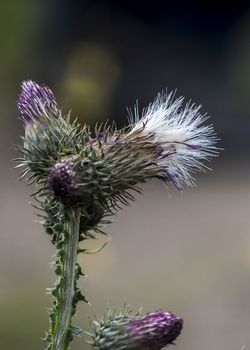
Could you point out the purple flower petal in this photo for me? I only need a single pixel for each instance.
(156, 330)
(36, 101)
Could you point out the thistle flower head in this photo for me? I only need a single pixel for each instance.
(35, 102)
(153, 331)
(181, 140)
(169, 141)
(63, 181)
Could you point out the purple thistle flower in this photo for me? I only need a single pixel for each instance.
(153, 331)
(35, 102)
(63, 181)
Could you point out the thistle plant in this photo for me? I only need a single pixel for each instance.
(82, 177)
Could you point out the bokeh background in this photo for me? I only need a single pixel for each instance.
(189, 253)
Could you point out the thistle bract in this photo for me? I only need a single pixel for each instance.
(153, 331)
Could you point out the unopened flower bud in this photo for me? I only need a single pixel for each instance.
(153, 331)
(63, 181)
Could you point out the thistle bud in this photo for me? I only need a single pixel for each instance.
(35, 102)
(153, 331)
(63, 181)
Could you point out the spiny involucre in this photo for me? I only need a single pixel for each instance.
(169, 142)
(153, 331)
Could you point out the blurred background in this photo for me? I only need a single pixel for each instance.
(189, 253)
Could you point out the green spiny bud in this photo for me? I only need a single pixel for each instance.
(63, 181)
(153, 331)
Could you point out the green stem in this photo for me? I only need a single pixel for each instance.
(67, 295)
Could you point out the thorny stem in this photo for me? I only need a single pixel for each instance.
(63, 319)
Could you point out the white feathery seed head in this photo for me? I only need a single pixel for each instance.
(178, 131)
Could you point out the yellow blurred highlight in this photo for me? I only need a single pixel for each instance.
(90, 79)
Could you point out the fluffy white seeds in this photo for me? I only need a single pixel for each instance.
(178, 131)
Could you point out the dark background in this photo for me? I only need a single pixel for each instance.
(189, 254)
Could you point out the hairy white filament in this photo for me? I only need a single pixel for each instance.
(178, 129)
